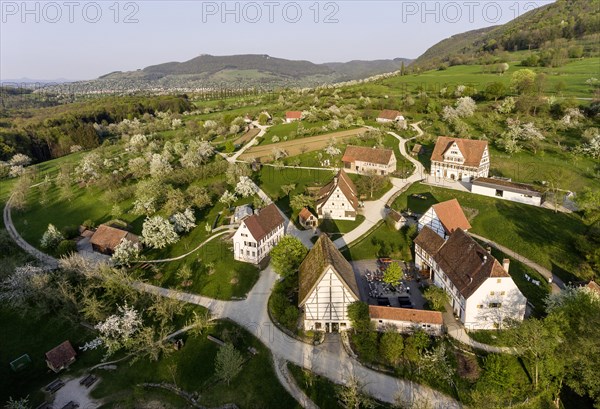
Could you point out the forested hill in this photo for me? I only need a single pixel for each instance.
(553, 28)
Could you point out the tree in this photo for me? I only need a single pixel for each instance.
(198, 197)
(228, 198)
(199, 322)
(157, 232)
(298, 202)
(228, 363)
(465, 107)
(370, 182)
(436, 296)
(391, 346)
(352, 395)
(287, 189)
(26, 285)
(245, 187)
(523, 81)
(393, 274)
(20, 160)
(537, 342)
(287, 255)
(22, 403)
(183, 221)
(20, 191)
(235, 171)
(43, 188)
(495, 90)
(588, 201)
(159, 166)
(358, 314)
(117, 331)
(51, 237)
(125, 252)
(89, 168)
(436, 365)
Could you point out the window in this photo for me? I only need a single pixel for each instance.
(495, 305)
(499, 280)
(503, 293)
(499, 193)
(492, 293)
(479, 306)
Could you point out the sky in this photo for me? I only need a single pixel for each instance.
(78, 40)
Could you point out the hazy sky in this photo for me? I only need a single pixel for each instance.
(86, 39)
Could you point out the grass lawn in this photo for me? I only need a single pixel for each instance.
(192, 369)
(382, 241)
(536, 233)
(36, 334)
(289, 131)
(340, 226)
(321, 390)
(228, 279)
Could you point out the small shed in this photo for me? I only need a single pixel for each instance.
(416, 150)
(397, 218)
(61, 356)
(242, 212)
(307, 219)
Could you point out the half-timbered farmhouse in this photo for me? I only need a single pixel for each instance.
(460, 159)
(258, 234)
(444, 217)
(362, 159)
(338, 199)
(327, 286)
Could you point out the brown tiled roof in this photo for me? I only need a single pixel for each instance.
(471, 149)
(305, 214)
(324, 254)
(293, 114)
(109, 237)
(346, 186)
(451, 215)
(395, 215)
(405, 314)
(61, 355)
(466, 263)
(507, 185)
(429, 240)
(261, 224)
(417, 148)
(366, 154)
(389, 114)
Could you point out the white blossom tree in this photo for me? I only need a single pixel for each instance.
(158, 233)
(51, 237)
(279, 153)
(24, 284)
(118, 330)
(89, 168)
(19, 160)
(75, 148)
(159, 166)
(126, 252)
(245, 187)
(183, 221)
(16, 171)
(228, 198)
(465, 107)
(198, 153)
(138, 142)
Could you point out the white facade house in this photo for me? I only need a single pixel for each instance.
(338, 199)
(460, 159)
(258, 234)
(482, 294)
(391, 116)
(327, 286)
(406, 320)
(292, 116)
(507, 190)
(443, 218)
(361, 159)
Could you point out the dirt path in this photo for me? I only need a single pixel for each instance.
(295, 147)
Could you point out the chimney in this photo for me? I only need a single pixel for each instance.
(484, 260)
(506, 264)
(489, 249)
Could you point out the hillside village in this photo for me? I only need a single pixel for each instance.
(416, 239)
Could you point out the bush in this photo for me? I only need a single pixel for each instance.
(66, 247)
(89, 224)
(70, 232)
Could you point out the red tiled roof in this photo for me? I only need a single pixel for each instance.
(451, 215)
(405, 314)
(109, 237)
(61, 355)
(471, 149)
(365, 154)
(593, 286)
(389, 114)
(293, 114)
(346, 186)
(261, 224)
(305, 214)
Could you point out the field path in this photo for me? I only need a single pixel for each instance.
(295, 147)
